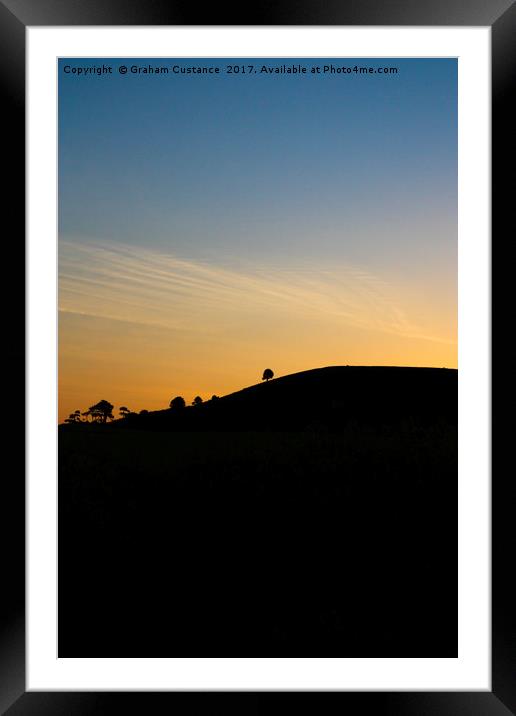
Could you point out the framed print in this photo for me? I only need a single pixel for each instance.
(258, 366)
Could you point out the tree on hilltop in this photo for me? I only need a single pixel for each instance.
(177, 403)
(267, 374)
(197, 400)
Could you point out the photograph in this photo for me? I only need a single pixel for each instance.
(257, 357)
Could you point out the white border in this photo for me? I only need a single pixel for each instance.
(471, 671)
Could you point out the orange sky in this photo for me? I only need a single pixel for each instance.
(137, 327)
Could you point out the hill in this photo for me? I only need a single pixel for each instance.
(312, 515)
(320, 398)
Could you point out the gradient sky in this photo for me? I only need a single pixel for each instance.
(212, 226)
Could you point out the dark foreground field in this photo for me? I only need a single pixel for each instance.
(333, 536)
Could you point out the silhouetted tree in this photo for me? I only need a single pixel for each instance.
(74, 417)
(197, 400)
(215, 397)
(144, 412)
(124, 411)
(267, 374)
(177, 402)
(101, 412)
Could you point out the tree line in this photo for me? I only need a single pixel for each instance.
(102, 411)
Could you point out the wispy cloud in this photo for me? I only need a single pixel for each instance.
(125, 283)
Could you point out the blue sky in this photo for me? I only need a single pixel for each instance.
(213, 166)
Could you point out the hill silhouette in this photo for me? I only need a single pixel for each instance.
(320, 398)
(313, 514)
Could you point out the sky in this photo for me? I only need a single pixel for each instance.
(213, 225)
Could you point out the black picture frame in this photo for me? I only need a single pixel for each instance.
(15, 17)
